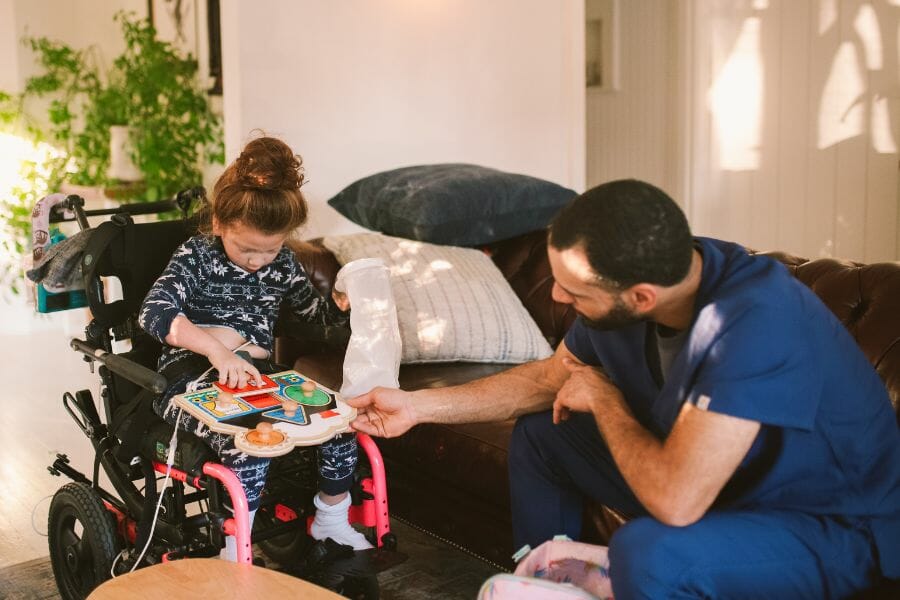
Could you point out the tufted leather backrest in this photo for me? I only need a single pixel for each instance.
(865, 297)
(523, 261)
(319, 263)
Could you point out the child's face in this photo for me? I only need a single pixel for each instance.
(249, 248)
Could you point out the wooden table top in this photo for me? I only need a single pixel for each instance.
(208, 578)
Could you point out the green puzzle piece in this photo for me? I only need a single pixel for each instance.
(295, 393)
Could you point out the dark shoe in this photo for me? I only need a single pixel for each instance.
(338, 568)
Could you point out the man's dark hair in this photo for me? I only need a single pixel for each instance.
(630, 231)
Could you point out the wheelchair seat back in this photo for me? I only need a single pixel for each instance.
(136, 254)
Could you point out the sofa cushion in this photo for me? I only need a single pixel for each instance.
(452, 303)
(454, 204)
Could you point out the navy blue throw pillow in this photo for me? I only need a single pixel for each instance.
(451, 204)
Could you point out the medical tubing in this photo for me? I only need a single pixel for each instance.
(170, 459)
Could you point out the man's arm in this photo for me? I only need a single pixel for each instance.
(676, 480)
(523, 389)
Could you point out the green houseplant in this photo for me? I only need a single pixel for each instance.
(150, 88)
(172, 125)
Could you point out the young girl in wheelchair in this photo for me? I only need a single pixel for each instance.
(214, 309)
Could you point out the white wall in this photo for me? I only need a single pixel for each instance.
(774, 123)
(84, 24)
(81, 24)
(9, 64)
(78, 23)
(632, 130)
(359, 86)
(795, 122)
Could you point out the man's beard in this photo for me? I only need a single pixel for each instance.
(619, 316)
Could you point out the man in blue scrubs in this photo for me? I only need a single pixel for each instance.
(707, 394)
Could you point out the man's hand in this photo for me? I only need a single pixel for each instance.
(586, 389)
(234, 371)
(383, 412)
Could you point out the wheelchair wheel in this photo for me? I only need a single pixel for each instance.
(286, 549)
(82, 539)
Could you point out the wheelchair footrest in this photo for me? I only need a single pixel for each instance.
(345, 571)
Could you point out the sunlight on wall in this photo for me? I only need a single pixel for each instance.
(841, 114)
(882, 136)
(828, 15)
(736, 102)
(15, 153)
(866, 26)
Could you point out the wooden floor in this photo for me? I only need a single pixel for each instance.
(433, 570)
(38, 367)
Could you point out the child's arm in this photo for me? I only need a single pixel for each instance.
(233, 370)
(162, 316)
(169, 294)
(308, 304)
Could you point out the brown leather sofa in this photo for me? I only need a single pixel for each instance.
(451, 480)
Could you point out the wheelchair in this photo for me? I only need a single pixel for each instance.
(95, 533)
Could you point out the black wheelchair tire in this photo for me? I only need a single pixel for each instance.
(80, 563)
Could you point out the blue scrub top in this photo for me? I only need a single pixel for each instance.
(763, 347)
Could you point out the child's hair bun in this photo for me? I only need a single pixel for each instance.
(268, 164)
(261, 189)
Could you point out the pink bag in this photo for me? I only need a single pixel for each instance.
(555, 570)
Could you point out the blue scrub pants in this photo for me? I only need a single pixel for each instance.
(726, 554)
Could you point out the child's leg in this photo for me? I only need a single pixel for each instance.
(251, 471)
(337, 462)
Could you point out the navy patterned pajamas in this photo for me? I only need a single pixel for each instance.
(202, 284)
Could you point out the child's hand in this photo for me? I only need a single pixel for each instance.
(234, 371)
(341, 299)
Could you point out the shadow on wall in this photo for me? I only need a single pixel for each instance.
(805, 96)
(853, 99)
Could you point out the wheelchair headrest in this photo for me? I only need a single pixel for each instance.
(135, 253)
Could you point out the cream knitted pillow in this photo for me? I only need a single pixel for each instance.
(453, 304)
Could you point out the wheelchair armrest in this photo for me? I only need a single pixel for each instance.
(130, 370)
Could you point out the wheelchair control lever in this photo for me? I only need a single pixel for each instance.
(139, 374)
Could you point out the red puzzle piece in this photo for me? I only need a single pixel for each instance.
(262, 401)
(250, 390)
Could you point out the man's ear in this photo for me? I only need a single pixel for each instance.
(643, 297)
(216, 228)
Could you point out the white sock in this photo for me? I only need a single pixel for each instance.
(332, 521)
(229, 552)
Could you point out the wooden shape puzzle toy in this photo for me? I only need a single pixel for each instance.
(287, 410)
(264, 387)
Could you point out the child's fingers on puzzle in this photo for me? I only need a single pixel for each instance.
(253, 376)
